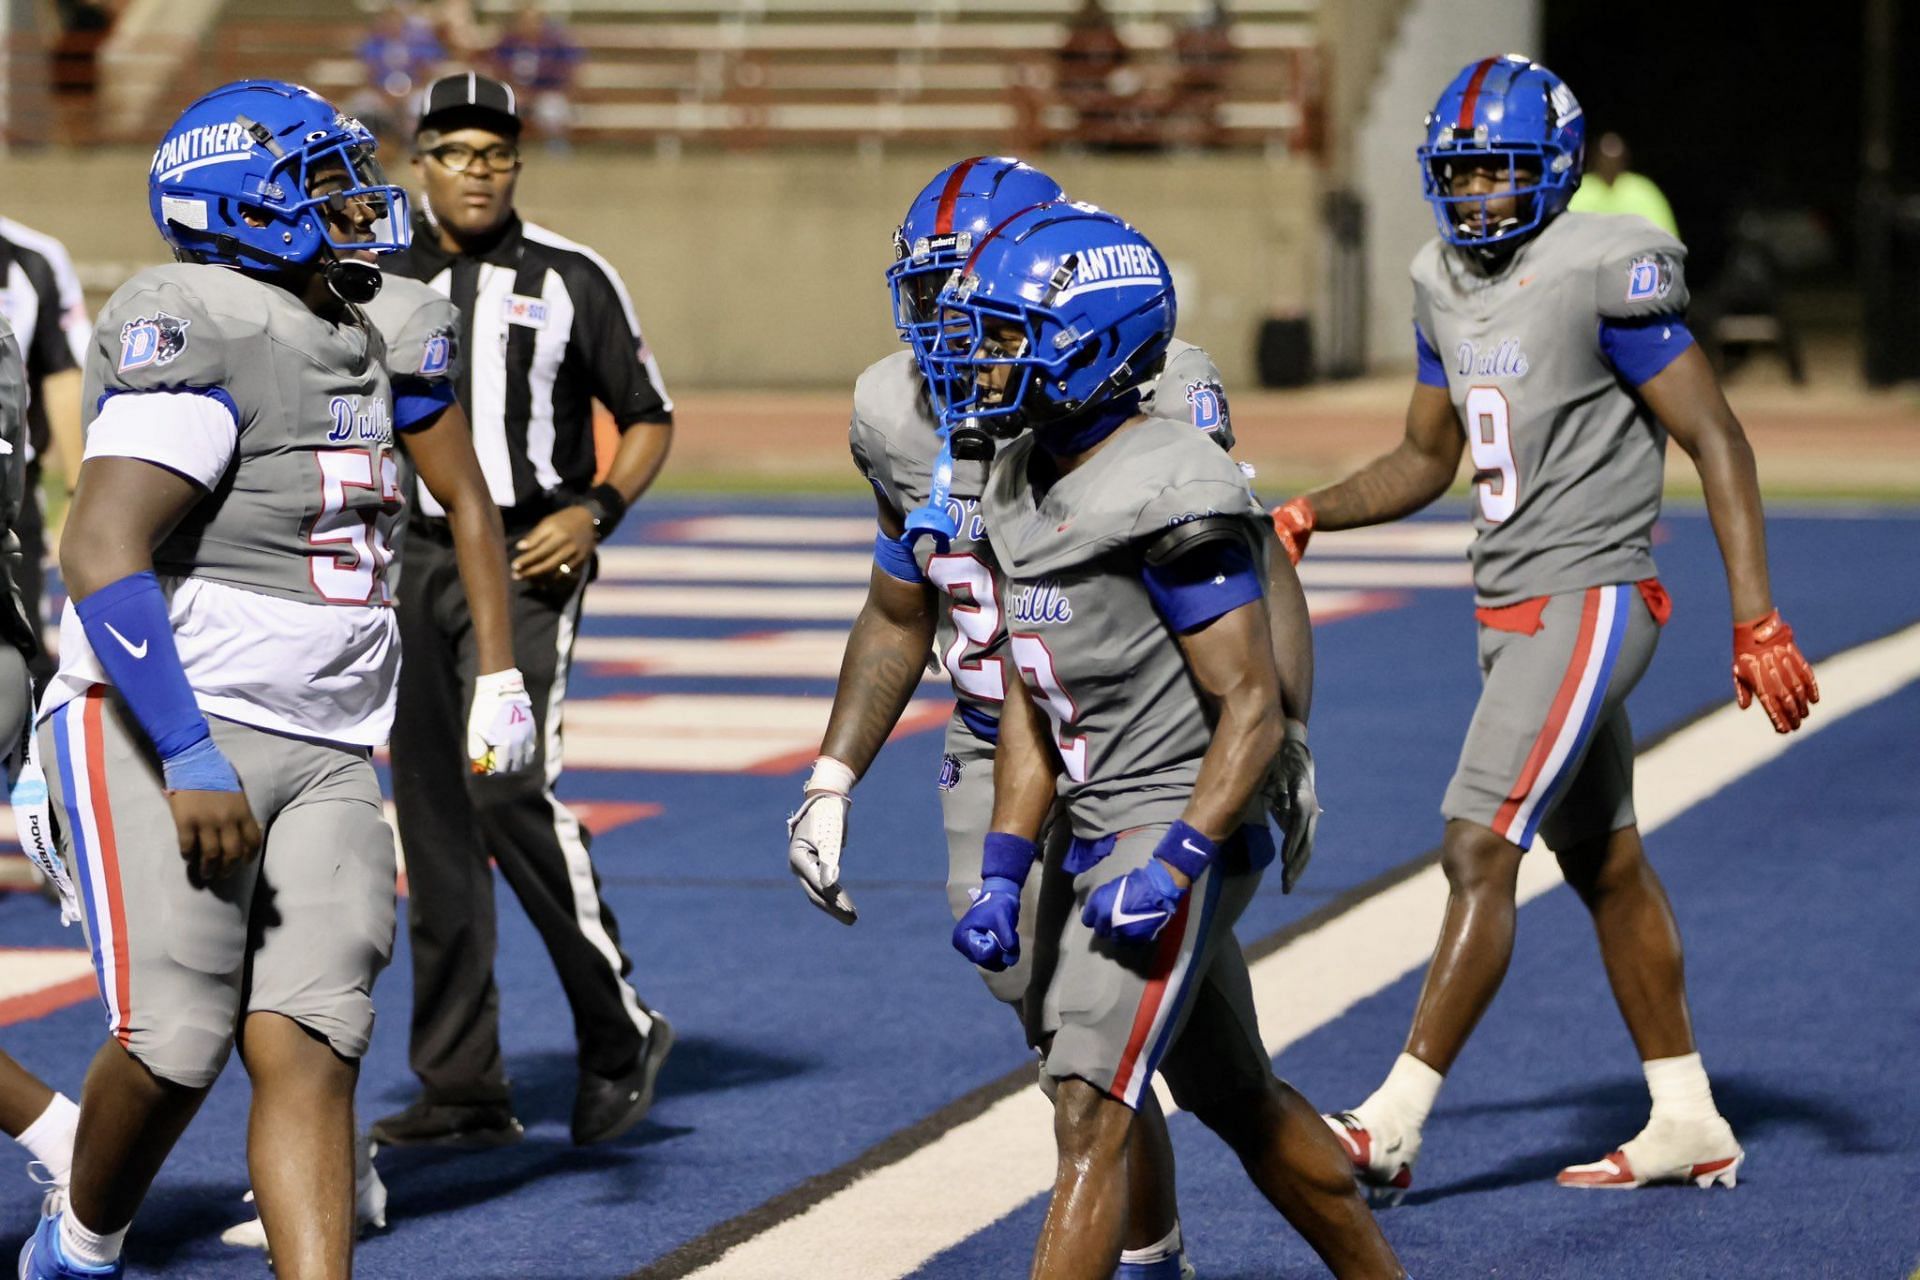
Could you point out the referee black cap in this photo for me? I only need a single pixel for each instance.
(469, 100)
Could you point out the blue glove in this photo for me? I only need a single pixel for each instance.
(1137, 906)
(989, 933)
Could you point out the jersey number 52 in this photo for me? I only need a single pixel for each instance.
(356, 573)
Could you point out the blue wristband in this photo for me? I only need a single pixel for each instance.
(895, 559)
(1008, 857)
(1185, 850)
(201, 767)
(131, 633)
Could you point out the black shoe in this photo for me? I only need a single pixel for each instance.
(604, 1109)
(468, 1125)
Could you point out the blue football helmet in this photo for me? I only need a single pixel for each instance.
(952, 214)
(248, 173)
(1517, 114)
(1076, 305)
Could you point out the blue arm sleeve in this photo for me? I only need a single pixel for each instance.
(1639, 349)
(1204, 584)
(419, 402)
(895, 559)
(127, 624)
(1431, 372)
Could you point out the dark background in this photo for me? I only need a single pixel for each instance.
(1735, 105)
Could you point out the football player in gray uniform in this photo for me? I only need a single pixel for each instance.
(938, 592)
(1553, 347)
(1133, 560)
(227, 666)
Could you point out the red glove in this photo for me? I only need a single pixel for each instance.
(1294, 523)
(1768, 665)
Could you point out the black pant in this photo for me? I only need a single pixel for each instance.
(451, 822)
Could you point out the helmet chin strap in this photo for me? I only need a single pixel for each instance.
(352, 280)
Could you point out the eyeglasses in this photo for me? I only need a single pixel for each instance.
(457, 157)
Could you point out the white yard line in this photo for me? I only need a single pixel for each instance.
(890, 1222)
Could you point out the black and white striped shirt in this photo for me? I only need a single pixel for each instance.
(40, 297)
(546, 328)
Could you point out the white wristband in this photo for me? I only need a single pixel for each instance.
(1296, 730)
(831, 775)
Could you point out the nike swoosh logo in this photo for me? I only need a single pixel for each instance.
(128, 645)
(1121, 916)
(1191, 847)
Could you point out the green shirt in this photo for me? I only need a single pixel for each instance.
(1630, 193)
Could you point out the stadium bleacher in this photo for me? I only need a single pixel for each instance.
(741, 74)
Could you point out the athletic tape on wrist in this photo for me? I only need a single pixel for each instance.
(831, 775)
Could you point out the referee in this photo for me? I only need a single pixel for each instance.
(549, 329)
(40, 297)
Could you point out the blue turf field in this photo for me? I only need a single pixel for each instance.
(804, 1044)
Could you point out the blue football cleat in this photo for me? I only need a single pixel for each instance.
(41, 1259)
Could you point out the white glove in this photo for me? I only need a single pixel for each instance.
(1294, 804)
(816, 833)
(500, 728)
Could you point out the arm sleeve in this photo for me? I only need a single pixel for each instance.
(1208, 582)
(1431, 372)
(192, 433)
(625, 376)
(1639, 349)
(418, 402)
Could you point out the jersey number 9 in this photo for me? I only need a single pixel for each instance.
(1496, 477)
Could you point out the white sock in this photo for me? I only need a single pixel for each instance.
(1680, 1089)
(50, 1138)
(1165, 1247)
(86, 1249)
(1407, 1094)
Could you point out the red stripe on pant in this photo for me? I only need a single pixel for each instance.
(1556, 714)
(1165, 957)
(109, 855)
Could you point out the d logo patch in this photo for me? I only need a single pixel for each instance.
(155, 340)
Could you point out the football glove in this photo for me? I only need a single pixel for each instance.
(1768, 665)
(1293, 522)
(989, 933)
(1295, 806)
(1137, 906)
(816, 832)
(500, 725)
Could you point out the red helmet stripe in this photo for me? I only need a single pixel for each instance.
(950, 196)
(987, 238)
(1471, 99)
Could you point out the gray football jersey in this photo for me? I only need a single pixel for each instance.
(895, 440)
(1568, 463)
(421, 328)
(308, 507)
(1129, 721)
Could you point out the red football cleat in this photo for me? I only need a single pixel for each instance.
(1383, 1164)
(1704, 1154)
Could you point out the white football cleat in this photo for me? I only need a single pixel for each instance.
(369, 1203)
(1701, 1152)
(1382, 1156)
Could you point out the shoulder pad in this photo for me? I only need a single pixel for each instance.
(177, 326)
(421, 328)
(1177, 540)
(1639, 271)
(1190, 390)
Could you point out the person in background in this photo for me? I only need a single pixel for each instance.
(1612, 186)
(538, 57)
(400, 53)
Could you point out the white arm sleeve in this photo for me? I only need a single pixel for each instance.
(183, 431)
